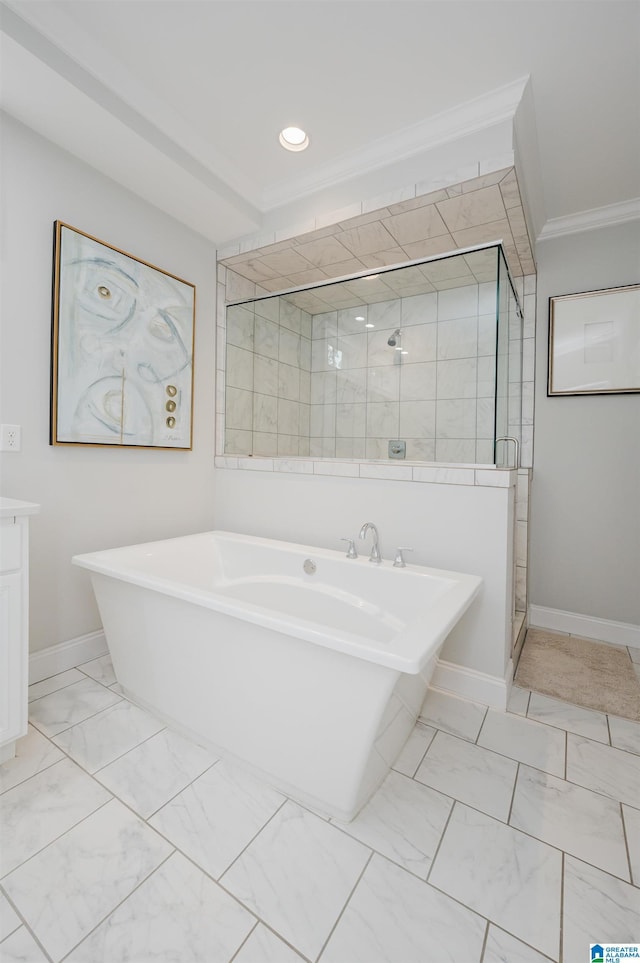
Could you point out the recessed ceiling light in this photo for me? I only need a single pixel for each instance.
(293, 138)
(359, 317)
(369, 324)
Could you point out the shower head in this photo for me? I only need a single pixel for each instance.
(393, 339)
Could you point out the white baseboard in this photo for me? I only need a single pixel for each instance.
(66, 655)
(587, 626)
(490, 690)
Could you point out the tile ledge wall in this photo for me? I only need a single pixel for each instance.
(487, 476)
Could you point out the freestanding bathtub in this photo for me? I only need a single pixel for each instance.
(309, 666)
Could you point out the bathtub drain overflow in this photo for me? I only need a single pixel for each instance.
(309, 566)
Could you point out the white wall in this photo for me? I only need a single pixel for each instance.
(91, 498)
(465, 528)
(585, 498)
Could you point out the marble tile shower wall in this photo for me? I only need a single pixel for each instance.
(326, 386)
(268, 376)
(329, 387)
(438, 397)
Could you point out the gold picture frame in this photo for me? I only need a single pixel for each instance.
(122, 348)
(594, 342)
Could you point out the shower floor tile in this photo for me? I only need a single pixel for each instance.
(478, 848)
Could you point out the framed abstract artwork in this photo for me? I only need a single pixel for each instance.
(594, 342)
(122, 348)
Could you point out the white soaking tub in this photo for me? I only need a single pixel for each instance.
(314, 678)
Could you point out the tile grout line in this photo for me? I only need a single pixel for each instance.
(23, 922)
(346, 903)
(627, 848)
(245, 940)
(566, 738)
(513, 796)
(484, 942)
(561, 943)
(118, 905)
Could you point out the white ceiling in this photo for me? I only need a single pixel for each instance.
(182, 100)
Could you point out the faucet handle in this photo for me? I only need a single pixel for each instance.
(351, 551)
(399, 561)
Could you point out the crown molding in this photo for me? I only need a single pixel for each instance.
(450, 125)
(591, 220)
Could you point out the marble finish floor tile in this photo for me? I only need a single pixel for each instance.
(573, 819)
(66, 707)
(21, 947)
(54, 682)
(530, 742)
(263, 946)
(393, 917)
(476, 776)
(414, 749)
(9, 919)
(105, 736)
(100, 669)
(518, 700)
(503, 948)
(297, 875)
(41, 808)
(154, 772)
(215, 817)
(625, 734)
(632, 827)
(504, 875)
(454, 715)
(596, 904)
(404, 821)
(603, 769)
(64, 891)
(584, 722)
(177, 914)
(33, 754)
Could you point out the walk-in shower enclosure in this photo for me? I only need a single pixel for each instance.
(421, 362)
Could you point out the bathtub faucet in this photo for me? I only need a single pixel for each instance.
(375, 550)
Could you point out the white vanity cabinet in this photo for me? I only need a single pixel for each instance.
(14, 621)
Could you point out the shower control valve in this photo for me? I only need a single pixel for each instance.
(399, 561)
(351, 551)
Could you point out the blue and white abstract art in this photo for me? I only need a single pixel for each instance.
(123, 334)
